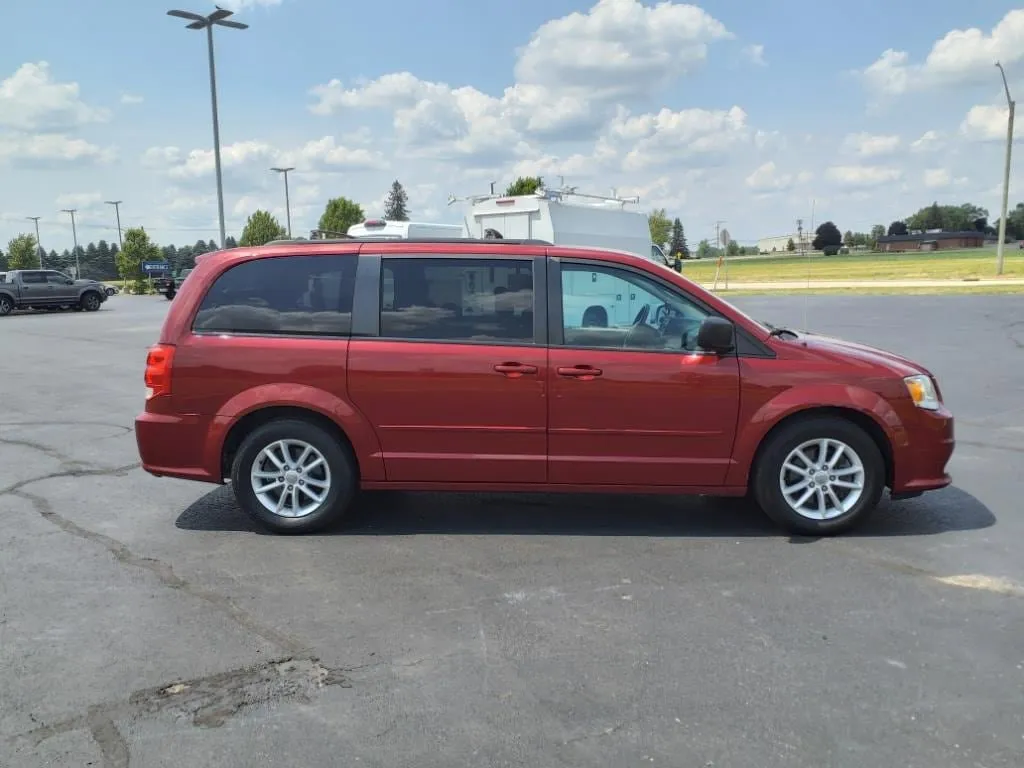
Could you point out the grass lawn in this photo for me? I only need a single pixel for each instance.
(948, 265)
(954, 289)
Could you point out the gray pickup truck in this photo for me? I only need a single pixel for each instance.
(47, 289)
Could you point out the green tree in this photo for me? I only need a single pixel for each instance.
(827, 238)
(791, 246)
(186, 259)
(260, 229)
(211, 245)
(660, 225)
(3, 262)
(897, 229)
(849, 239)
(22, 253)
(105, 266)
(137, 249)
(230, 242)
(704, 249)
(524, 185)
(877, 231)
(397, 206)
(733, 248)
(340, 214)
(677, 246)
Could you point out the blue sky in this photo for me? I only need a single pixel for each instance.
(726, 109)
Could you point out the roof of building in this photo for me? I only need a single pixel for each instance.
(971, 234)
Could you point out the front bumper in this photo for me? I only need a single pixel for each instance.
(920, 464)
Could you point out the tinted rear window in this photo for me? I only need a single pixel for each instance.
(288, 295)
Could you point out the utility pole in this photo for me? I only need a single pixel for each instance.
(1006, 173)
(287, 203)
(74, 234)
(800, 234)
(39, 247)
(217, 18)
(117, 211)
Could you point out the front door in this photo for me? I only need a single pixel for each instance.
(58, 290)
(454, 384)
(633, 400)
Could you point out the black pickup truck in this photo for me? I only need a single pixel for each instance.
(48, 289)
(169, 286)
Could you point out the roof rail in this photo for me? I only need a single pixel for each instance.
(443, 240)
(562, 193)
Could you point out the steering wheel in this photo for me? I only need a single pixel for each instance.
(641, 316)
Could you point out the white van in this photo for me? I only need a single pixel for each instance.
(403, 230)
(564, 217)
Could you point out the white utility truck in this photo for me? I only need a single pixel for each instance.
(567, 217)
(403, 230)
(563, 217)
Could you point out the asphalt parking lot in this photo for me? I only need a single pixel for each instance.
(146, 622)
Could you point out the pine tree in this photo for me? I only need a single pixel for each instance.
(678, 243)
(211, 245)
(230, 242)
(397, 206)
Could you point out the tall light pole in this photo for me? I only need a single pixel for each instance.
(217, 18)
(287, 203)
(1006, 174)
(74, 234)
(39, 247)
(117, 211)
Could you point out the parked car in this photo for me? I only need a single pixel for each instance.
(169, 286)
(110, 290)
(305, 371)
(47, 289)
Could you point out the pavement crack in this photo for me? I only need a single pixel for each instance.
(107, 472)
(166, 575)
(46, 450)
(208, 702)
(598, 735)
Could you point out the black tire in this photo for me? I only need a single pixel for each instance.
(344, 477)
(169, 295)
(6, 305)
(91, 301)
(766, 481)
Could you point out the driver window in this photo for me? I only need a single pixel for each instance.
(57, 278)
(613, 308)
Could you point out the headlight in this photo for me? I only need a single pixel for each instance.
(922, 392)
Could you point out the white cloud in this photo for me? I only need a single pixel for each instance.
(930, 141)
(936, 178)
(568, 78)
(862, 176)
(867, 145)
(755, 54)
(50, 150)
(678, 136)
(767, 178)
(986, 123)
(80, 200)
(962, 56)
(619, 48)
(320, 155)
(131, 98)
(30, 100)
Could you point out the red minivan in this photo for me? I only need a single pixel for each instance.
(304, 371)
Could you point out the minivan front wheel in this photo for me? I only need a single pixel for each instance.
(293, 476)
(819, 476)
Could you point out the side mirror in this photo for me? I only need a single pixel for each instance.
(717, 335)
(70, 282)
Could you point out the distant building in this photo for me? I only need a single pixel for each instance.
(778, 244)
(934, 241)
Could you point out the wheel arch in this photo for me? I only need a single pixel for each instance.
(260, 416)
(859, 419)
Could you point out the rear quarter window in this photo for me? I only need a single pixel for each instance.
(285, 295)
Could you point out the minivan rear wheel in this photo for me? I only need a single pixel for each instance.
(293, 476)
(819, 476)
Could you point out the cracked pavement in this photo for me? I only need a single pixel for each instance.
(147, 622)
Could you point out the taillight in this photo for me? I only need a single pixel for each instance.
(158, 370)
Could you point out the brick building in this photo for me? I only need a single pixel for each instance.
(934, 241)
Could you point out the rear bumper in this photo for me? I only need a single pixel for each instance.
(175, 446)
(921, 464)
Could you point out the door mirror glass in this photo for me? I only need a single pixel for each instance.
(717, 335)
